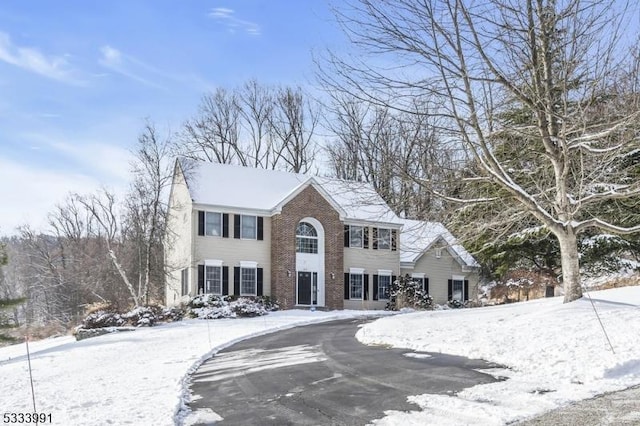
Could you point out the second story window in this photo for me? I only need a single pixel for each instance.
(356, 237)
(383, 239)
(213, 224)
(248, 227)
(306, 238)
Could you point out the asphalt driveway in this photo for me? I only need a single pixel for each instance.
(321, 375)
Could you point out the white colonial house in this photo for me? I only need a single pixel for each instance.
(305, 241)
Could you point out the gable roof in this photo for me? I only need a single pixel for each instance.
(417, 237)
(248, 188)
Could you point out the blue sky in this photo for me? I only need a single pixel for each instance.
(78, 79)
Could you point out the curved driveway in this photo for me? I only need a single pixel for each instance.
(321, 375)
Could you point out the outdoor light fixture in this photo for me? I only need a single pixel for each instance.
(288, 272)
(333, 276)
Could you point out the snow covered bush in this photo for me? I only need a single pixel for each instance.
(407, 293)
(174, 313)
(455, 304)
(208, 306)
(101, 315)
(143, 316)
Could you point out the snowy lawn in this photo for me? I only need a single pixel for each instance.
(136, 377)
(555, 353)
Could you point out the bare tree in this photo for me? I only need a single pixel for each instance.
(293, 122)
(214, 135)
(257, 105)
(104, 211)
(393, 151)
(255, 125)
(144, 222)
(474, 61)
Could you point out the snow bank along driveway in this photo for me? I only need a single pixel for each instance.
(135, 378)
(556, 353)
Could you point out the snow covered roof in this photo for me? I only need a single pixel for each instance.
(417, 237)
(267, 190)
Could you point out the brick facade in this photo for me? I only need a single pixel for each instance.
(308, 203)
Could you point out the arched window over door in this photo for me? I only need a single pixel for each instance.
(306, 238)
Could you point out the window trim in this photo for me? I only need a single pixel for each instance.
(207, 267)
(219, 214)
(313, 238)
(387, 274)
(249, 266)
(461, 279)
(255, 227)
(351, 285)
(438, 252)
(351, 227)
(378, 239)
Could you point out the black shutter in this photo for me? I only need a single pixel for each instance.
(375, 287)
(236, 226)
(346, 236)
(466, 290)
(365, 237)
(260, 231)
(394, 236)
(259, 285)
(426, 285)
(200, 222)
(346, 285)
(375, 238)
(365, 292)
(225, 280)
(450, 291)
(200, 279)
(225, 225)
(236, 280)
(393, 279)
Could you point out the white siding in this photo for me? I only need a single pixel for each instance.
(371, 261)
(178, 253)
(439, 271)
(232, 251)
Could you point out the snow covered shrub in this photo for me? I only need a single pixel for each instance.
(455, 304)
(143, 316)
(407, 293)
(268, 303)
(247, 307)
(174, 313)
(207, 306)
(102, 318)
(207, 301)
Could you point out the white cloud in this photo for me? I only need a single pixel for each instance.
(111, 57)
(221, 12)
(31, 59)
(28, 193)
(128, 66)
(109, 163)
(227, 17)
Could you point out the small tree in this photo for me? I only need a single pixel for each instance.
(407, 293)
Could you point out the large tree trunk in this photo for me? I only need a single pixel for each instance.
(570, 265)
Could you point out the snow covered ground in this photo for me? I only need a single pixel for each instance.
(136, 378)
(555, 353)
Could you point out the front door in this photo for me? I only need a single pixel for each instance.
(304, 288)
